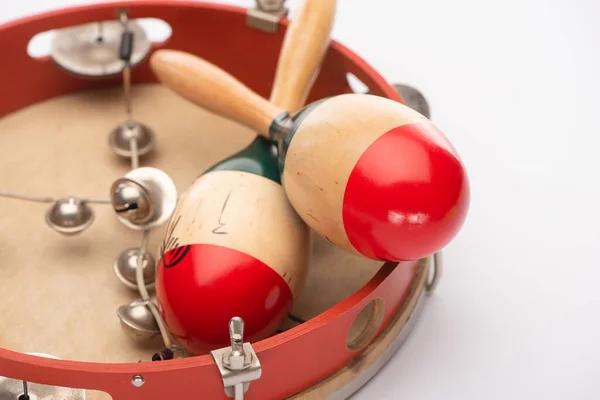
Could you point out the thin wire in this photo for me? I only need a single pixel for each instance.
(100, 31)
(25, 197)
(96, 200)
(41, 199)
(126, 71)
(135, 159)
(139, 272)
(139, 276)
(127, 91)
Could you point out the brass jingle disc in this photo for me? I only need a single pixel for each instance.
(92, 50)
(12, 389)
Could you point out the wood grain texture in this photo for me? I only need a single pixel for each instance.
(306, 42)
(248, 213)
(213, 89)
(325, 149)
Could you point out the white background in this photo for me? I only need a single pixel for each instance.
(516, 86)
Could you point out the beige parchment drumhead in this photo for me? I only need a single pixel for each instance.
(60, 294)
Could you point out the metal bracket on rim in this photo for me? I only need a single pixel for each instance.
(266, 15)
(238, 364)
(437, 273)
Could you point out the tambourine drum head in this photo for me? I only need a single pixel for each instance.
(60, 293)
(66, 288)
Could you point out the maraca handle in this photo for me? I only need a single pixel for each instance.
(304, 47)
(213, 89)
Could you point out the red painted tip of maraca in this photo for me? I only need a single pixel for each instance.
(201, 287)
(408, 195)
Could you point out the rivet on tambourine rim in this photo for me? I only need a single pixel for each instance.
(13, 388)
(92, 50)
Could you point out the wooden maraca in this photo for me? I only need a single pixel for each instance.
(369, 174)
(235, 246)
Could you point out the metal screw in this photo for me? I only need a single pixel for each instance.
(137, 381)
(235, 358)
(236, 334)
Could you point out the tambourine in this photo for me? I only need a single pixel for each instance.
(60, 292)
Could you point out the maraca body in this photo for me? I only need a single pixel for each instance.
(374, 177)
(234, 247)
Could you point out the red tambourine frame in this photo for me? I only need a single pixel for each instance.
(291, 361)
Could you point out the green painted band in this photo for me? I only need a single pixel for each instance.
(259, 158)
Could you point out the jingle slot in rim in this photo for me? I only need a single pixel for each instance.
(92, 50)
(38, 391)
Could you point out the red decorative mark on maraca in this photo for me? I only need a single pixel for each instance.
(174, 257)
(170, 251)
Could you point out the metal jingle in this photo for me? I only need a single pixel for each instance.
(137, 321)
(12, 389)
(414, 99)
(125, 268)
(132, 202)
(270, 5)
(120, 139)
(92, 50)
(157, 198)
(69, 216)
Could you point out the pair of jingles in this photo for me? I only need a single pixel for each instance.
(343, 184)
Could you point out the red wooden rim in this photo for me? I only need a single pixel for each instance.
(293, 360)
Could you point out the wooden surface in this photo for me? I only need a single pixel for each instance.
(256, 216)
(318, 163)
(243, 212)
(213, 89)
(304, 46)
(60, 294)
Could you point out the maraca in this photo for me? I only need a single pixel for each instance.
(369, 174)
(235, 246)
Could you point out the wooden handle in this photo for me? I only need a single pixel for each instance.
(306, 41)
(212, 88)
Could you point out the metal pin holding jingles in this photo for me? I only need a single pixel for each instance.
(25, 395)
(125, 50)
(131, 138)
